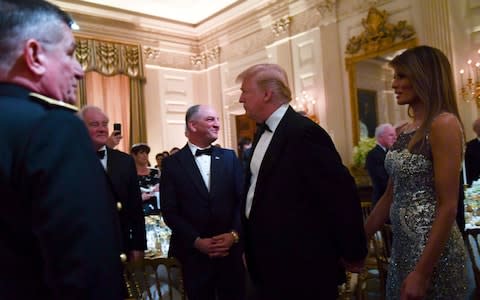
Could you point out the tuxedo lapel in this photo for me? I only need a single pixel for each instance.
(275, 148)
(111, 165)
(216, 166)
(187, 161)
(382, 153)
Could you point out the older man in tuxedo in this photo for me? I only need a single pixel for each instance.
(200, 195)
(385, 135)
(122, 173)
(302, 214)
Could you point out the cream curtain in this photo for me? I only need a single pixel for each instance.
(112, 95)
(138, 130)
(114, 82)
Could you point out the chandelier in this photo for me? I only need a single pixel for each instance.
(304, 104)
(470, 88)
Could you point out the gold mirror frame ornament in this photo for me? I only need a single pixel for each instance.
(378, 38)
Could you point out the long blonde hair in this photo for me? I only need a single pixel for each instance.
(430, 74)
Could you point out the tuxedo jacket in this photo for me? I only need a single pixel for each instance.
(472, 160)
(192, 211)
(375, 164)
(123, 175)
(304, 217)
(59, 234)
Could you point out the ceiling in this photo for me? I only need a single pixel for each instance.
(184, 11)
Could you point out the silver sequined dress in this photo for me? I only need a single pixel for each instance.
(412, 214)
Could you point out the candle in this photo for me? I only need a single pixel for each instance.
(464, 172)
(470, 70)
(477, 65)
(461, 76)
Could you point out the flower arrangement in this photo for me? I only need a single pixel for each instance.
(361, 150)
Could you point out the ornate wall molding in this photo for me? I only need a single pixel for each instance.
(109, 58)
(378, 34)
(205, 57)
(326, 8)
(280, 26)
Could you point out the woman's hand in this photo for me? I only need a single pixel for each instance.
(414, 287)
(146, 196)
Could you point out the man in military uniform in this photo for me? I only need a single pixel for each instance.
(59, 236)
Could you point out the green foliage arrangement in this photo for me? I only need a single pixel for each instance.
(361, 150)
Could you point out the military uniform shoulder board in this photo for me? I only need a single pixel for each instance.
(52, 102)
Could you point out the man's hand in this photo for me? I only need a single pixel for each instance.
(204, 245)
(216, 246)
(114, 139)
(221, 244)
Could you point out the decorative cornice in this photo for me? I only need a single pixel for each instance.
(204, 57)
(326, 7)
(280, 26)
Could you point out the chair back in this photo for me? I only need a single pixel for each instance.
(366, 209)
(472, 237)
(382, 242)
(154, 279)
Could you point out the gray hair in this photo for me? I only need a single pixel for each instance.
(381, 128)
(83, 111)
(21, 20)
(192, 111)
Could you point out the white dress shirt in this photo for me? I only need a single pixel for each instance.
(259, 152)
(104, 159)
(203, 164)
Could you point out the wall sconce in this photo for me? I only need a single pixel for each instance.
(304, 104)
(470, 89)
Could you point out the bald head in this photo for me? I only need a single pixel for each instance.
(202, 125)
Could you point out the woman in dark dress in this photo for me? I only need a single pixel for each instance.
(148, 179)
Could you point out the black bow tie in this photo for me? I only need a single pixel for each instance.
(262, 127)
(207, 151)
(101, 154)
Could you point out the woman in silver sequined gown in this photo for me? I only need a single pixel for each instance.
(412, 214)
(428, 254)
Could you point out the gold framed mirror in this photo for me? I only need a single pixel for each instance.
(371, 97)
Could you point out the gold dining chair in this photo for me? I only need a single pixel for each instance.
(472, 239)
(383, 249)
(154, 278)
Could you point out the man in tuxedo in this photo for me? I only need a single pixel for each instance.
(302, 215)
(385, 135)
(472, 155)
(122, 173)
(59, 235)
(200, 195)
